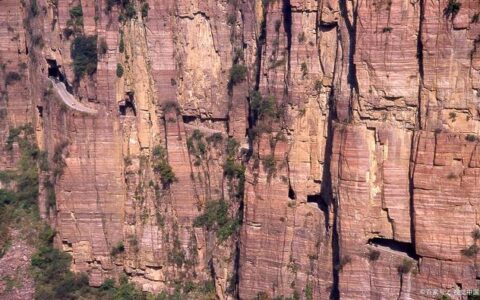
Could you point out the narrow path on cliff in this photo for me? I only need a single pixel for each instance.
(69, 99)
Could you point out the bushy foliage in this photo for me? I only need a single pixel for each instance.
(216, 218)
(269, 165)
(145, 9)
(373, 255)
(84, 55)
(233, 169)
(117, 249)
(237, 73)
(262, 106)
(452, 9)
(406, 266)
(76, 12)
(471, 137)
(471, 251)
(11, 77)
(119, 70)
(162, 167)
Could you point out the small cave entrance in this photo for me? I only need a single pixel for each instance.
(291, 193)
(40, 111)
(189, 119)
(321, 203)
(56, 74)
(394, 245)
(127, 106)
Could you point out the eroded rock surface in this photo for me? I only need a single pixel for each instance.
(357, 123)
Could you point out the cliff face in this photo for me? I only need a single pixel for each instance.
(341, 135)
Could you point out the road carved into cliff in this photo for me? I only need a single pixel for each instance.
(69, 99)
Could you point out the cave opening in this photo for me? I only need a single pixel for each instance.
(291, 193)
(40, 111)
(394, 245)
(127, 106)
(188, 119)
(55, 73)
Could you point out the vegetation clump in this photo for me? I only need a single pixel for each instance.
(118, 249)
(119, 70)
(471, 251)
(161, 166)
(373, 255)
(84, 55)
(216, 218)
(406, 266)
(232, 169)
(145, 9)
(12, 77)
(197, 147)
(263, 107)
(471, 137)
(238, 74)
(452, 9)
(269, 165)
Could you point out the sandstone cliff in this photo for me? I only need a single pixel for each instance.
(342, 137)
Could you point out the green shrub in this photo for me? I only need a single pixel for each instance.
(452, 116)
(103, 47)
(215, 138)
(269, 165)
(232, 169)
(76, 12)
(11, 77)
(33, 8)
(475, 18)
(119, 70)
(470, 251)
(471, 137)
(84, 55)
(406, 266)
(304, 69)
(308, 292)
(476, 234)
(263, 106)
(216, 218)
(145, 9)
(111, 3)
(373, 255)
(118, 249)
(121, 46)
(301, 37)
(130, 12)
(452, 9)
(238, 73)
(161, 166)
(13, 133)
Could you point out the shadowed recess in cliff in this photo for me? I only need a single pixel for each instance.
(55, 73)
(420, 61)
(127, 106)
(287, 23)
(393, 245)
(352, 32)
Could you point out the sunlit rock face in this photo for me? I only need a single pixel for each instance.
(355, 166)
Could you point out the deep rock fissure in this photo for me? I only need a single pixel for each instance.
(420, 62)
(287, 24)
(352, 33)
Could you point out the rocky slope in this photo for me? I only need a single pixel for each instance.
(341, 135)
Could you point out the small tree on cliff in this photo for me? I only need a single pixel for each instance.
(161, 166)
